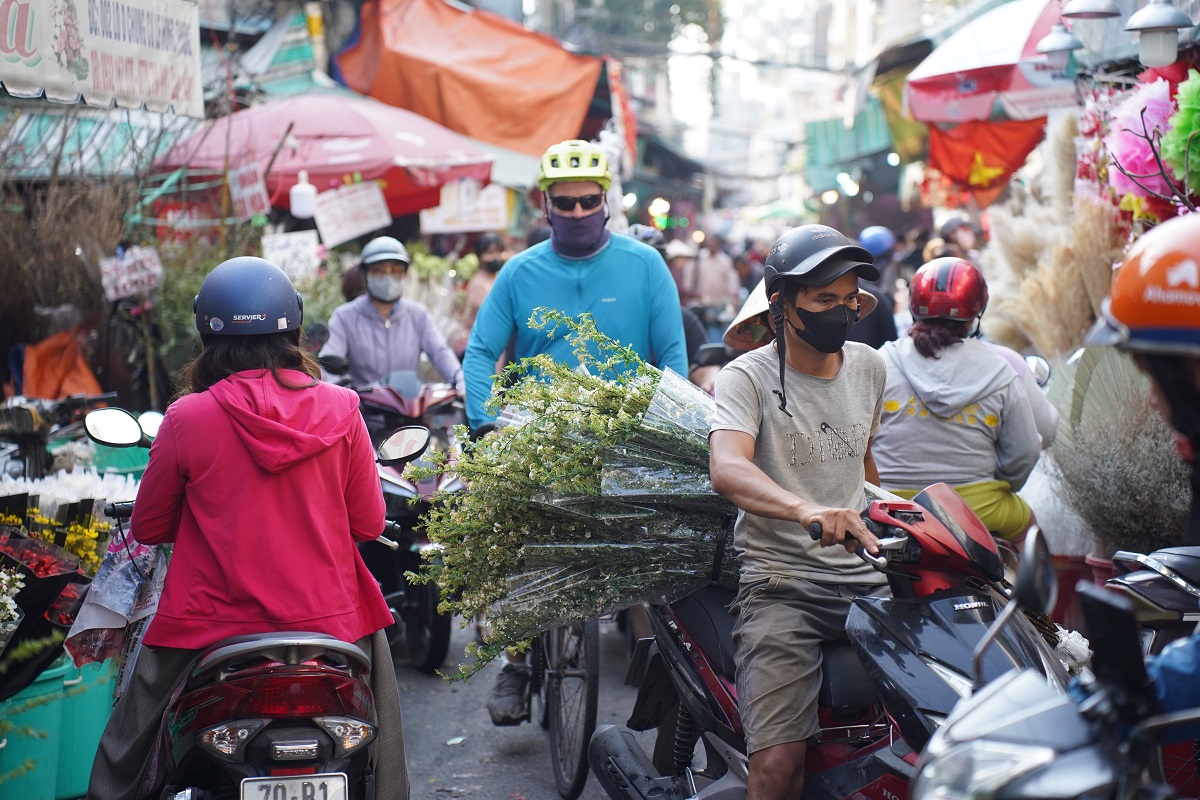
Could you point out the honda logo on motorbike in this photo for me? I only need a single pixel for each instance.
(967, 606)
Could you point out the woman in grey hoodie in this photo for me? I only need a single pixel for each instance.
(954, 411)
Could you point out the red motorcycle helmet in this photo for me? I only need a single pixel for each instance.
(948, 288)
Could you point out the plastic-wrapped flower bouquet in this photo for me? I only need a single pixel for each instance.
(592, 494)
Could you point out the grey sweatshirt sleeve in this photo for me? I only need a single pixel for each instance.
(1044, 414)
(1019, 444)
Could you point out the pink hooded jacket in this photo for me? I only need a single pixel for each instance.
(265, 491)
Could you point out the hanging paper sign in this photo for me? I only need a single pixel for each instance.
(296, 253)
(248, 192)
(131, 274)
(351, 211)
(490, 211)
(132, 51)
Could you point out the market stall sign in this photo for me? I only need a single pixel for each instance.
(489, 211)
(133, 52)
(134, 273)
(346, 213)
(248, 192)
(297, 253)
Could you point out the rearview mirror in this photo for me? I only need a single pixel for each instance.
(1039, 368)
(1036, 591)
(114, 427)
(1037, 584)
(150, 422)
(403, 445)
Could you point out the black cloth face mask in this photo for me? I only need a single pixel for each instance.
(826, 331)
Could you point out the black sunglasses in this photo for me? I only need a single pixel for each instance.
(562, 202)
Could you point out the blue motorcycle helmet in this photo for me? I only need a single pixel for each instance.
(247, 296)
(877, 240)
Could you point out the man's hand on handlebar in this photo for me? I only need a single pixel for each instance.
(842, 526)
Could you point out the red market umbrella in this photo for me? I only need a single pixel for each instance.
(990, 69)
(337, 139)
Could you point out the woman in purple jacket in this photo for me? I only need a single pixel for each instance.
(382, 332)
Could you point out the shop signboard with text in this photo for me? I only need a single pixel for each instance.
(350, 211)
(133, 52)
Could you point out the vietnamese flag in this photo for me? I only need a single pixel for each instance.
(981, 155)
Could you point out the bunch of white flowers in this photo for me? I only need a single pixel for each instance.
(11, 582)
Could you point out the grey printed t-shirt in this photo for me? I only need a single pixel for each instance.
(817, 454)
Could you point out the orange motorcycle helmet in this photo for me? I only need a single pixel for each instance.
(1154, 303)
(948, 288)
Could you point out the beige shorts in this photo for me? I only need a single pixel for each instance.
(779, 624)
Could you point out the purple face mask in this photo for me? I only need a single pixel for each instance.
(578, 237)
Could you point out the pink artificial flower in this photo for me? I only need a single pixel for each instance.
(1127, 142)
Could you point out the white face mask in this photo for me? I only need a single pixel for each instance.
(385, 288)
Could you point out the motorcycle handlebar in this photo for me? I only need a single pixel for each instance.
(391, 531)
(122, 510)
(878, 562)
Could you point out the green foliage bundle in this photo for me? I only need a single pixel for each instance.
(1180, 148)
(593, 497)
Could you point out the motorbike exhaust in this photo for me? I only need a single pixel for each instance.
(623, 769)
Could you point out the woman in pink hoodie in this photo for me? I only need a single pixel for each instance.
(263, 477)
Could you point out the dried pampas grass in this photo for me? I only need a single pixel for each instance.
(1050, 259)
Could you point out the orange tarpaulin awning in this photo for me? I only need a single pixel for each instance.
(474, 72)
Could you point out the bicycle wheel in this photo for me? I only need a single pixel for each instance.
(537, 680)
(572, 691)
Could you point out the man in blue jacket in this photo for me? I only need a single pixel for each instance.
(623, 283)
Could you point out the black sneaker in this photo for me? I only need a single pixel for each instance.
(508, 704)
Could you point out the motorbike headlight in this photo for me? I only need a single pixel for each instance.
(959, 684)
(975, 770)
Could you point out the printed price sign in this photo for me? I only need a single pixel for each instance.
(483, 210)
(351, 211)
(295, 253)
(248, 192)
(132, 274)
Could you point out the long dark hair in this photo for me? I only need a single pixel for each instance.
(932, 336)
(224, 355)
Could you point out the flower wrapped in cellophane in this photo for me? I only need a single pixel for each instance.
(592, 495)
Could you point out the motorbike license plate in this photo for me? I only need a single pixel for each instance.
(296, 787)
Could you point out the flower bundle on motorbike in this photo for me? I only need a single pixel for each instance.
(592, 495)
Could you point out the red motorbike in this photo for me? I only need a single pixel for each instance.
(402, 399)
(908, 659)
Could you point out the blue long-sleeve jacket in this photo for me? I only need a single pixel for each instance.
(626, 287)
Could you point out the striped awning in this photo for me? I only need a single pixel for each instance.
(39, 139)
(831, 147)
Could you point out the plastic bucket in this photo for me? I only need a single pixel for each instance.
(86, 707)
(29, 757)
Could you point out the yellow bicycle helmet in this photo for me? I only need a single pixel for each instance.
(574, 160)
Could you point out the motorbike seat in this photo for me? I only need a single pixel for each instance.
(1184, 561)
(287, 648)
(706, 616)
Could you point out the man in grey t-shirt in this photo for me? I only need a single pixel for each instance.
(787, 465)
